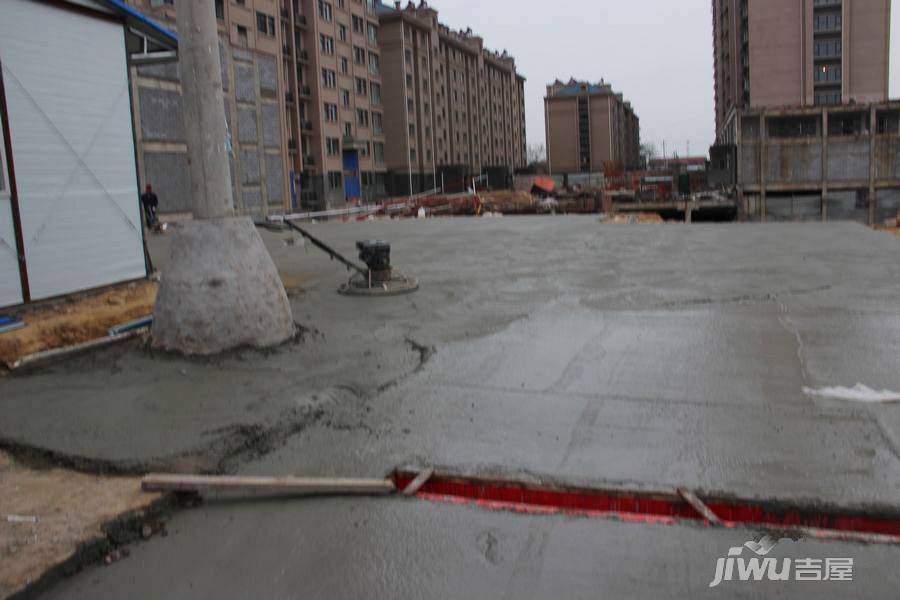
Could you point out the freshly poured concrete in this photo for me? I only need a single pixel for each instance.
(554, 348)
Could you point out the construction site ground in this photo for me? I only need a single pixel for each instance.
(541, 348)
(49, 515)
(76, 319)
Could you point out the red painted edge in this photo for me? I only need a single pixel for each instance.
(652, 507)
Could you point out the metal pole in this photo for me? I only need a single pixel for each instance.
(204, 111)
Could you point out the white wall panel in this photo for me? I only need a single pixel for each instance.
(70, 123)
(10, 283)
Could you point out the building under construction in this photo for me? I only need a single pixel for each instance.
(813, 163)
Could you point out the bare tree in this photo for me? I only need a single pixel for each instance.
(648, 153)
(536, 153)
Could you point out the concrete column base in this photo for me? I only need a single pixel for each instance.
(221, 291)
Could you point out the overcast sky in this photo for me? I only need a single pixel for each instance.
(658, 53)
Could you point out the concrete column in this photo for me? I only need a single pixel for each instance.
(221, 289)
(824, 164)
(872, 170)
(204, 112)
(763, 160)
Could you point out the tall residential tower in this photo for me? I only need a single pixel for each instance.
(796, 53)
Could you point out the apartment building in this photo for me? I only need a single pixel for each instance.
(250, 46)
(324, 98)
(589, 126)
(798, 53)
(452, 108)
(334, 104)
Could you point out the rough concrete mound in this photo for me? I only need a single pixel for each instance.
(220, 291)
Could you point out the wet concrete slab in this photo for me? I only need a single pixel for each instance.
(558, 348)
(412, 549)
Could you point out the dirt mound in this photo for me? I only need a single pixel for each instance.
(76, 319)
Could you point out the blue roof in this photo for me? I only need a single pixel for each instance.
(140, 21)
(579, 88)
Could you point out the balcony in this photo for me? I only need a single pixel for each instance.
(827, 75)
(349, 142)
(305, 91)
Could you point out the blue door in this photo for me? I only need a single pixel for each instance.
(351, 175)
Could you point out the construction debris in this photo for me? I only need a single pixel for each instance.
(631, 218)
(8, 323)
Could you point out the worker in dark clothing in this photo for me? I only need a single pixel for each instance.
(150, 202)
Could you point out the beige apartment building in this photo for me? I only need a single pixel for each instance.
(302, 89)
(254, 89)
(452, 108)
(589, 126)
(798, 53)
(326, 104)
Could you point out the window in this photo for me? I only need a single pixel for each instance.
(329, 78)
(348, 129)
(335, 180)
(357, 24)
(265, 24)
(345, 98)
(828, 74)
(826, 23)
(378, 151)
(412, 153)
(362, 118)
(412, 129)
(828, 98)
(377, 126)
(345, 65)
(374, 64)
(331, 112)
(376, 93)
(325, 10)
(342, 32)
(408, 80)
(333, 146)
(829, 48)
(372, 33)
(361, 86)
(359, 55)
(408, 56)
(242, 36)
(220, 9)
(365, 150)
(326, 43)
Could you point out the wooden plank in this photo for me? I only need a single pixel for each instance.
(293, 486)
(416, 484)
(698, 505)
